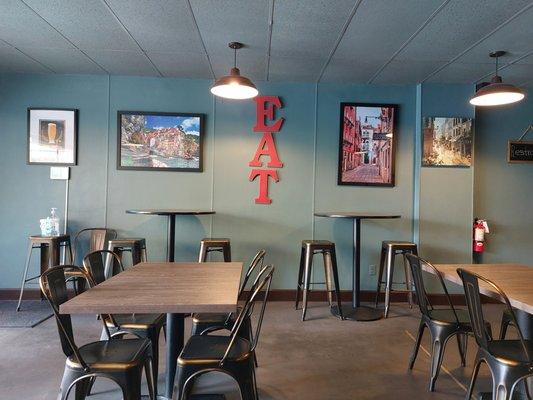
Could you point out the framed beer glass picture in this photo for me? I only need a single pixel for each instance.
(52, 136)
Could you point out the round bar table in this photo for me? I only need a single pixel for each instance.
(175, 322)
(356, 311)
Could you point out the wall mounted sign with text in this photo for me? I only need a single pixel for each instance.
(519, 151)
(266, 154)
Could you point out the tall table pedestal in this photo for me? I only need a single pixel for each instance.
(355, 311)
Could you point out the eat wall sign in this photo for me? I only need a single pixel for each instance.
(266, 160)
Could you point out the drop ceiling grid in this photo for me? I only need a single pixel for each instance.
(397, 42)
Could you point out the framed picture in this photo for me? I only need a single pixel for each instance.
(155, 141)
(447, 142)
(367, 144)
(52, 136)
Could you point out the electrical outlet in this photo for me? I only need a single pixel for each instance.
(372, 270)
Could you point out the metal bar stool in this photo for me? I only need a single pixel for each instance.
(309, 249)
(135, 246)
(389, 251)
(208, 245)
(50, 247)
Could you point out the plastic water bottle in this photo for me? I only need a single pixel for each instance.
(55, 221)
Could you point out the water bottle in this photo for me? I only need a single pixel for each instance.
(55, 221)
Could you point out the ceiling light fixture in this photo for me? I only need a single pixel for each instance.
(497, 93)
(234, 86)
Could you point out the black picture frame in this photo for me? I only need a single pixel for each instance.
(29, 150)
(393, 145)
(161, 114)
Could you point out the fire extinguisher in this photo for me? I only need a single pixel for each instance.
(480, 228)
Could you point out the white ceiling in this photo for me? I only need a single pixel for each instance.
(359, 41)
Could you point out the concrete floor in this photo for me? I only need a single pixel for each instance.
(322, 358)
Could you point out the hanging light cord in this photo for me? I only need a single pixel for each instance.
(235, 58)
(497, 65)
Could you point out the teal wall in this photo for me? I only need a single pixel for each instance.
(504, 192)
(307, 144)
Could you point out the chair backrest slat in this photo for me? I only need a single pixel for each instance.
(54, 287)
(257, 262)
(98, 239)
(416, 264)
(261, 286)
(475, 309)
(95, 264)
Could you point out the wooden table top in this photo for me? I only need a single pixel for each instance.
(515, 280)
(163, 288)
(169, 211)
(356, 215)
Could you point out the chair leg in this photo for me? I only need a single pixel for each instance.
(380, 274)
(144, 255)
(388, 283)
(326, 256)
(503, 326)
(417, 344)
(69, 376)
(25, 275)
(151, 377)
(408, 281)
(300, 280)
(462, 344)
(153, 336)
(226, 251)
(437, 352)
(473, 379)
(202, 255)
(307, 279)
(335, 271)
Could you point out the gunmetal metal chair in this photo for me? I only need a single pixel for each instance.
(142, 325)
(122, 360)
(93, 239)
(509, 361)
(232, 353)
(308, 250)
(202, 321)
(443, 323)
(209, 245)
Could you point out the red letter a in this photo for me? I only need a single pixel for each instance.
(266, 147)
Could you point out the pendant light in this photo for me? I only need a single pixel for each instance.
(234, 86)
(497, 93)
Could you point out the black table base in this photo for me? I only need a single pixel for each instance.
(361, 313)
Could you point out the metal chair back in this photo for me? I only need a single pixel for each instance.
(257, 261)
(261, 286)
(475, 309)
(415, 263)
(98, 239)
(54, 288)
(101, 264)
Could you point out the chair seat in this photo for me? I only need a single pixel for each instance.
(137, 321)
(446, 315)
(511, 351)
(112, 354)
(210, 318)
(209, 349)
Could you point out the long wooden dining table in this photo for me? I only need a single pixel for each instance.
(162, 287)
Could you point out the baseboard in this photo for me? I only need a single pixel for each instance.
(290, 294)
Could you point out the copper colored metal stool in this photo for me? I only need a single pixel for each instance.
(136, 246)
(50, 247)
(389, 251)
(309, 249)
(208, 245)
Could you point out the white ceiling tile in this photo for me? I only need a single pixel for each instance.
(21, 27)
(64, 61)
(185, 65)
(12, 60)
(87, 23)
(123, 62)
(163, 25)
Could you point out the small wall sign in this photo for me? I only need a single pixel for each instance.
(265, 106)
(519, 151)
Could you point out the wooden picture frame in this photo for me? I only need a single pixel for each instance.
(367, 144)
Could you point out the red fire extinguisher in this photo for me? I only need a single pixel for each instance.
(480, 228)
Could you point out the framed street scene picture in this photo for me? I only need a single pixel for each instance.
(367, 144)
(447, 142)
(156, 141)
(52, 136)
